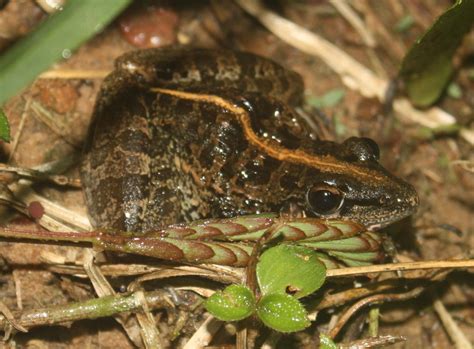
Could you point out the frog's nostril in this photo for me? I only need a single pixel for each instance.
(412, 198)
(415, 201)
(385, 199)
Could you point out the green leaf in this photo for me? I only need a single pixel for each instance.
(326, 343)
(330, 99)
(427, 67)
(234, 303)
(4, 127)
(428, 133)
(404, 24)
(290, 268)
(339, 127)
(454, 91)
(54, 39)
(282, 313)
(470, 74)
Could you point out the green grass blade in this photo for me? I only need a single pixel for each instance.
(56, 37)
(427, 67)
(4, 127)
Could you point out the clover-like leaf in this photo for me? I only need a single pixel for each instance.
(282, 312)
(291, 269)
(234, 303)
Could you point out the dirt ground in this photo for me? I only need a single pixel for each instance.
(54, 116)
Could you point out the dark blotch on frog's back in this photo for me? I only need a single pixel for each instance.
(209, 70)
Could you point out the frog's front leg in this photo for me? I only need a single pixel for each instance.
(129, 168)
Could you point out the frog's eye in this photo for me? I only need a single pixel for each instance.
(324, 199)
(373, 147)
(362, 149)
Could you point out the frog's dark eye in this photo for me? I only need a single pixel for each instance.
(324, 200)
(362, 149)
(372, 147)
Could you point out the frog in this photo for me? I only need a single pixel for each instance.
(181, 133)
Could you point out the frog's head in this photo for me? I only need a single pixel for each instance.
(356, 187)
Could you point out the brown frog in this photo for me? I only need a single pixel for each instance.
(180, 134)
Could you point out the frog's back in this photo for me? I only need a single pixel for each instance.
(205, 69)
(154, 159)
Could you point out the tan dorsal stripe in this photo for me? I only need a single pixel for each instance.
(326, 163)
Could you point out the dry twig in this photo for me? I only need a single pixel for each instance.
(376, 299)
(203, 336)
(453, 330)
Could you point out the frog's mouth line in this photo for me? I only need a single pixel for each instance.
(389, 220)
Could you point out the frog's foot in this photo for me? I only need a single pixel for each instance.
(291, 209)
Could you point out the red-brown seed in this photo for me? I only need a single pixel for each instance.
(35, 209)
